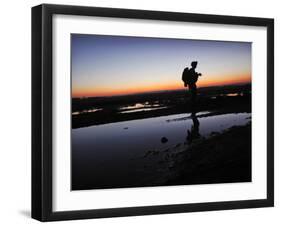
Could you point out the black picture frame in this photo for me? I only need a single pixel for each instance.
(42, 111)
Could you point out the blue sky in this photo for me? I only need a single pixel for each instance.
(112, 65)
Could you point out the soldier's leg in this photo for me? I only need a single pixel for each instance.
(193, 98)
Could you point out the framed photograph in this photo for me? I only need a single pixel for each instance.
(145, 112)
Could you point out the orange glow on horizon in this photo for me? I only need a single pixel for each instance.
(203, 81)
(217, 81)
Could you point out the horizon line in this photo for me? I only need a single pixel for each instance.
(154, 91)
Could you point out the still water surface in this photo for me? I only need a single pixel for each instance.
(112, 155)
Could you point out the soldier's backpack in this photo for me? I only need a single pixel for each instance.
(187, 76)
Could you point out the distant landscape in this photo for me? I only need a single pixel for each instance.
(100, 110)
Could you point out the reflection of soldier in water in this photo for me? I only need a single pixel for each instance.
(193, 133)
(190, 77)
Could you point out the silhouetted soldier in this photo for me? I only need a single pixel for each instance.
(190, 77)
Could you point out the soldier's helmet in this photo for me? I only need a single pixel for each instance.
(194, 63)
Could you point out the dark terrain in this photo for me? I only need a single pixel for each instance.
(100, 110)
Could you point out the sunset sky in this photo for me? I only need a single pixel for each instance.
(117, 65)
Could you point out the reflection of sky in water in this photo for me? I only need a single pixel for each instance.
(228, 95)
(142, 109)
(232, 94)
(86, 111)
(116, 143)
(137, 105)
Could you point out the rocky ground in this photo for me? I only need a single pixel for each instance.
(221, 158)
